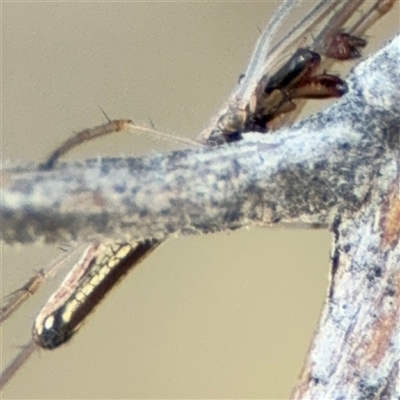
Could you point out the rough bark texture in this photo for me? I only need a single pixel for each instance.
(341, 167)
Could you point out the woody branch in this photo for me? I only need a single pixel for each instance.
(326, 163)
(338, 167)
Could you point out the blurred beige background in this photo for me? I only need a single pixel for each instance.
(220, 316)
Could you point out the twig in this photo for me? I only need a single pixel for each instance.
(261, 180)
(21, 358)
(341, 165)
(342, 162)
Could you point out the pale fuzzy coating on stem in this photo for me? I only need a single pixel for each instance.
(357, 344)
(305, 173)
(186, 192)
(355, 352)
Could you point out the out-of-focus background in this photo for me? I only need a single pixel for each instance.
(218, 316)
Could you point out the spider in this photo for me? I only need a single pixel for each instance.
(257, 118)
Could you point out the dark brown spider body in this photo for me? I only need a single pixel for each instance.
(296, 79)
(274, 95)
